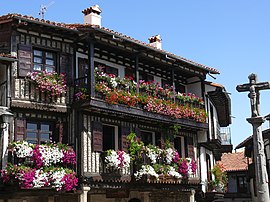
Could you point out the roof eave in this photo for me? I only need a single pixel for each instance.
(96, 28)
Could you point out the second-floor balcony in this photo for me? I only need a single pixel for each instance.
(142, 98)
(45, 93)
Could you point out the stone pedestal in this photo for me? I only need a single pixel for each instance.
(259, 159)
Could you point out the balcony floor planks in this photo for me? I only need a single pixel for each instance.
(39, 106)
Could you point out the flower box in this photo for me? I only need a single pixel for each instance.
(41, 166)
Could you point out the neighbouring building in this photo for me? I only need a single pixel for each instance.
(238, 188)
(116, 85)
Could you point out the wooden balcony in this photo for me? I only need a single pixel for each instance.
(99, 103)
(26, 95)
(111, 176)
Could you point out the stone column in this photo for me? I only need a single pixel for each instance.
(192, 196)
(83, 196)
(259, 159)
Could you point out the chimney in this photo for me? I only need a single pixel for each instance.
(92, 15)
(155, 41)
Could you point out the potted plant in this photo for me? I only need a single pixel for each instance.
(219, 183)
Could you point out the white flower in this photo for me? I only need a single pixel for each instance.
(57, 177)
(145, 170)
(117, 160)
(113, 82)
(172, 172)
(169, 155)
(41, 178)
(23, 149)
(152, 154)
(50, 155)
(126, 160)
(112, 160)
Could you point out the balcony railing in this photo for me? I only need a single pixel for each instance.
(225, 136)
(127, 174)
(148, 96)
(24, 90)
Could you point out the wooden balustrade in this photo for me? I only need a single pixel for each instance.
(27, 91)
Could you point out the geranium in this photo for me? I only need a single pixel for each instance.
(117, 160)
(151, 97)
(50, 82)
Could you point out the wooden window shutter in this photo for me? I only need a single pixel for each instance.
(60, 132)
(66, 64)
(97, 136)
(125, 131)
(20, 129)
(190, 147)
(25, 59)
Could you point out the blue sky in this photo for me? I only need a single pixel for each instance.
(231, 36)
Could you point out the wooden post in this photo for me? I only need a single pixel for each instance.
(137, 74)
(91, 68)
(173, 85)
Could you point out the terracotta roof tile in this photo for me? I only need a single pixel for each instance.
(235, 161)
(76, 26)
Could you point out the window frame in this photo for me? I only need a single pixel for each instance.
(244, 187)
(38, 131)
(44, 58)
(153, 136)
(116, 136)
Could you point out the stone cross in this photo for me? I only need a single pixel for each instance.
(253, 87)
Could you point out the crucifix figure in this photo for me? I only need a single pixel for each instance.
(253, 87)
(256, 120)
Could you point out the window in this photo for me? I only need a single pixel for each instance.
(146, 77)
(165, 83)
(241, 184)
(178, 145)
(111, 70)
(38, 133)
(82, 67)
(44, 60)
(110, 137)
(180, 88)
(108, 69)
(147, 137)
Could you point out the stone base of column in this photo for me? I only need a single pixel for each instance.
(83, 196)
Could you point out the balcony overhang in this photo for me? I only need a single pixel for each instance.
(222, 102)
(136, 114)
(227, 148)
